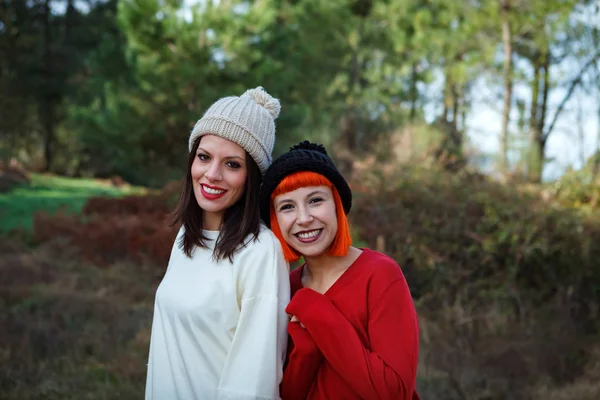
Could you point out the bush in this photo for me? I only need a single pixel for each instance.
(580, 189)
(110, 229)
(507, 282)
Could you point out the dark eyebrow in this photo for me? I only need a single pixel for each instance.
(316, 192)
(203, 149)
(227, 158)
(233, 157)
(284, 200)
(280, 202)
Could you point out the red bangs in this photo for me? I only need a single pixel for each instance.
(298, 180)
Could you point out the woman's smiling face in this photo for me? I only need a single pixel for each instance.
(219, 174)
(307, 219)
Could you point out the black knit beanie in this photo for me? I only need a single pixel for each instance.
(305, 156)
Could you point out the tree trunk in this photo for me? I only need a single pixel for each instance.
(449, 153)
(47, 103)
(69, 22)
(579, 115)
(456, 139)
(534, 134)
(446, 108)
(535, 94)
(546, 89)
(596, 156)
(454, 97)
(596, 159)
(507, 41)
(414, 94)
(349, 123)
(540, 138)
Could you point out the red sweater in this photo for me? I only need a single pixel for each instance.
(361, 338)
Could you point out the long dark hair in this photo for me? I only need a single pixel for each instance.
(239, 221)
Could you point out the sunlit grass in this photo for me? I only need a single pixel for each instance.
(52, 193)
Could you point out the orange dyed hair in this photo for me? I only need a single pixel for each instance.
(342, 240)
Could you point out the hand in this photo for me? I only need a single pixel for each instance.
(295, 319)
(302, 341)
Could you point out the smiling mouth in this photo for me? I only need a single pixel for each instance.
(212, 194)
(212, 191)
(308, 236)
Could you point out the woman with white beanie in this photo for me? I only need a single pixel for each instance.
(219, 326)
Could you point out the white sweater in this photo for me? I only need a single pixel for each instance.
(220, 329)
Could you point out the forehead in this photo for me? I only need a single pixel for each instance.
(303, 192)
(216, 144)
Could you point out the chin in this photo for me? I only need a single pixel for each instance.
(213, 209)
(209, 205)
(313, 253)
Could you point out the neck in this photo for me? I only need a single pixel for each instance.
(323, 267)
(211, 221)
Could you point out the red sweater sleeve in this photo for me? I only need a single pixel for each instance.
(303, 364)
(388, 369)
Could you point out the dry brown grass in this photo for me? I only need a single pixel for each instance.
(70, 330)
(478, 353)
(585, 387)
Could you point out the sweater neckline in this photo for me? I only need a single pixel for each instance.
(342, 277)
(210, 234)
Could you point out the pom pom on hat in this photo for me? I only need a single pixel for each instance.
(265, 100)
(306, 145)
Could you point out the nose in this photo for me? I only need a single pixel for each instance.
(214, 172)
(304, 216)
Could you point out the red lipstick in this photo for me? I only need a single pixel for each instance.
(211, 196)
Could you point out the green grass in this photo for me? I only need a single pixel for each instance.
(52, 193)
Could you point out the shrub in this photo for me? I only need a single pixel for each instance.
(112, 229)
(507, 282)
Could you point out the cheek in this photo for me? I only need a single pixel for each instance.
(284, 221)
(196, 170)
(240, 183)
(329, 214)
(334, 225)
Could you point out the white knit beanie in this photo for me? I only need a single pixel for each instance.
(248, 120)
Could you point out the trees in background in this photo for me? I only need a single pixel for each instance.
(107, 87)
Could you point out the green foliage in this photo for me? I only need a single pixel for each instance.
(580, 189)
(116, 88)
(51, 194)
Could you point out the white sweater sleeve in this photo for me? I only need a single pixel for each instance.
(254, 366)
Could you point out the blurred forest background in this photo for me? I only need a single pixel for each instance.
(97, 100)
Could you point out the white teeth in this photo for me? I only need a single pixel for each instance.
(310, 234)
(212, 191)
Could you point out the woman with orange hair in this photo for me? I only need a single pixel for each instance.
(353, 329)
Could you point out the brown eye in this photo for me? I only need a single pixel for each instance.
(285, 207)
